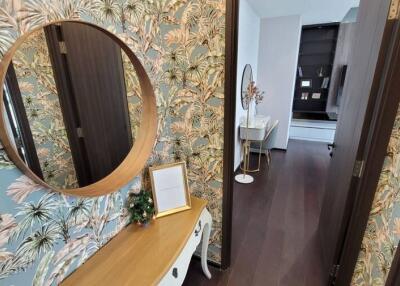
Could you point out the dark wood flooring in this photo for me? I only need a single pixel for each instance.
(274, 223)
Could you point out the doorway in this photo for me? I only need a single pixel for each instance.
(356, 99)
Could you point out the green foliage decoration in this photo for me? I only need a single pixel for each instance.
(140, 207)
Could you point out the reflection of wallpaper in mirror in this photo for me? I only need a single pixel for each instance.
(133, 92)
(39, 93)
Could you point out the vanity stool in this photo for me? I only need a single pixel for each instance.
(158, 254)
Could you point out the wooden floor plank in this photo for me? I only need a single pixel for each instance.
(274, 223)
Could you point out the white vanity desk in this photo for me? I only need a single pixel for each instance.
(158, 254)
(255, 131)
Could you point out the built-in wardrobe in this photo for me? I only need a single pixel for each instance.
(324, 58)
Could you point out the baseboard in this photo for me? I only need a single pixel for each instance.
(279, 149)
(263, 152)
(318, 140)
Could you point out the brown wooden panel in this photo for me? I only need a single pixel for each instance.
(394, 274)
(343, 49)
(97, 78)
(376, 133)
(231, 33)
(68, 106)
(352, 116)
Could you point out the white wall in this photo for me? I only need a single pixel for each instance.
(277, 67)
(312, 11)
(249, 34)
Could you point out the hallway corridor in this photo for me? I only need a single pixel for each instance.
(274, 223)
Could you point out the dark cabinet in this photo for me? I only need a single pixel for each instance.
(315, 64)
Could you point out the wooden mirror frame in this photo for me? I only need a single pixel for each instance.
(137, 156)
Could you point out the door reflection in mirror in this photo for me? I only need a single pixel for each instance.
(73, 101)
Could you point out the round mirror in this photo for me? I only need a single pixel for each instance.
(247, 78)
(78, 109)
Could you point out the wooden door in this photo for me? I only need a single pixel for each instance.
(394, 274)
(97, 76)
(93, 96)
(364, 74)
(21, 129)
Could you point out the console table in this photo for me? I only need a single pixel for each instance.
(158, 254)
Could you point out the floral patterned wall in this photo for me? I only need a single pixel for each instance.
(383, 230)
(45, 235)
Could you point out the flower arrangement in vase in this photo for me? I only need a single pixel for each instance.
(254, 93)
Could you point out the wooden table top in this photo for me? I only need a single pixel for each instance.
(140, 255)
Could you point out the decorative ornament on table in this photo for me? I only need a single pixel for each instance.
(140, 206)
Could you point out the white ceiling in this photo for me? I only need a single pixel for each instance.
(312, 11)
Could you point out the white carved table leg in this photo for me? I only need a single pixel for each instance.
(204, 248)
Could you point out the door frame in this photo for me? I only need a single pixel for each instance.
(231, 51)
(68, 103)
(378, 124)
(376, 133)
(394, 274)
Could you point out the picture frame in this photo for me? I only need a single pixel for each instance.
(170, 188)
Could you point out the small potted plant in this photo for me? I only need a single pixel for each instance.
(140, 207)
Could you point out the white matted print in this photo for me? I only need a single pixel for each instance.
(170, 188)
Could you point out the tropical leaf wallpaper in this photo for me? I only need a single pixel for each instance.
(383, 230)
(45, 235)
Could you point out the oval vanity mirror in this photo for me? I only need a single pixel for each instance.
(247, 78)
(75, 103)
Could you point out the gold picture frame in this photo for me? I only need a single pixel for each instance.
(170, 188)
